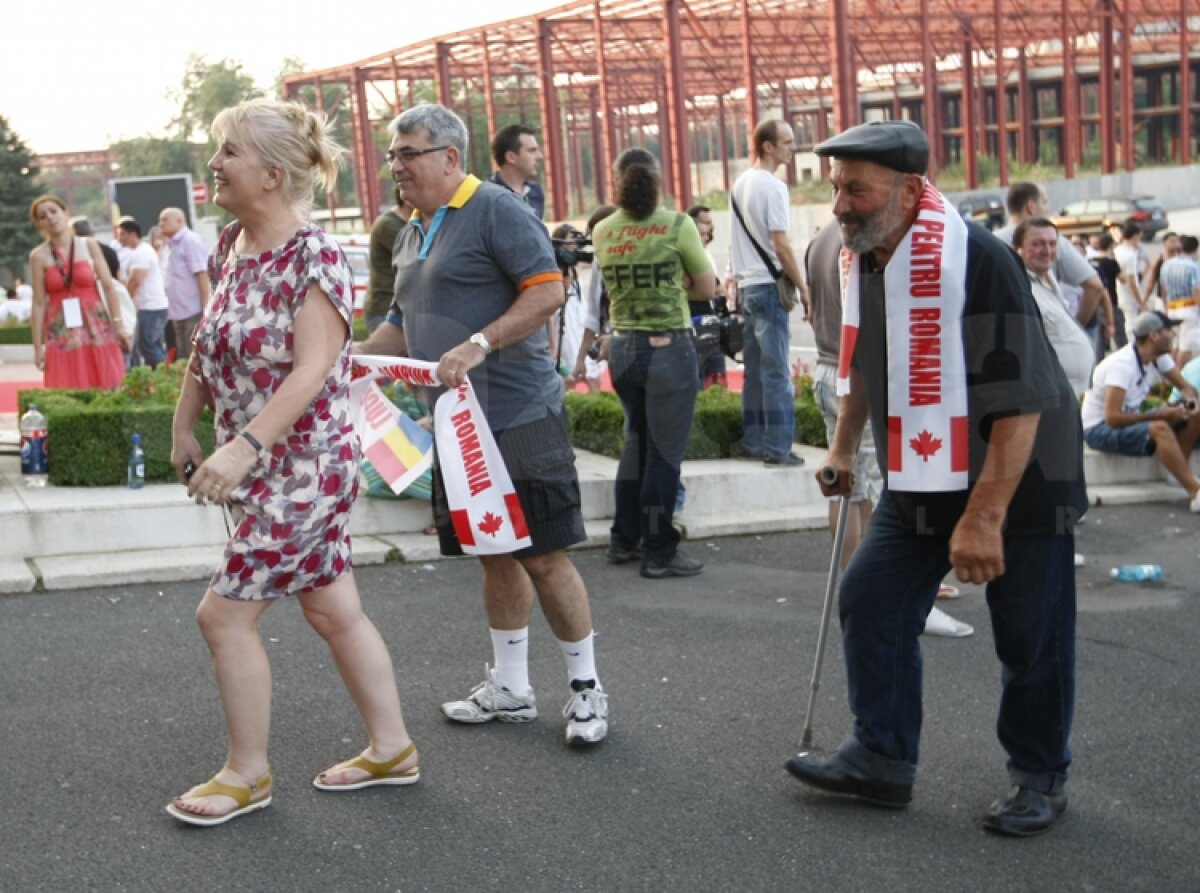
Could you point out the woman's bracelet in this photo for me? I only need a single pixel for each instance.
(252, 440)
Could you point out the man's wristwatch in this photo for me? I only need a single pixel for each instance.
(480, 341)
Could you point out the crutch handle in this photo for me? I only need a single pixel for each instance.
(828, 475)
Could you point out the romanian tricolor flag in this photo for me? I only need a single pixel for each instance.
(399, 448)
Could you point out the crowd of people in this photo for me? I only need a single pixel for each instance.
(950, 372)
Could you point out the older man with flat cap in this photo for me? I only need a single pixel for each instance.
(978, 436)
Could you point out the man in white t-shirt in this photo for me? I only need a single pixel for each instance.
(762, 218)
(1129, 256)
(142, 275)
(1036, 240)
(1112, 416)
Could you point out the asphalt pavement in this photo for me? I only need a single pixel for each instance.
(109, 709)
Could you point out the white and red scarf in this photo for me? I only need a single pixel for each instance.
(484, 507)
(925, 289)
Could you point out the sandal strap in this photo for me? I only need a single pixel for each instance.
(377, 770)
(241, 794)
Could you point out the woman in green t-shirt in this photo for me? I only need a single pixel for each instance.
(646, 253)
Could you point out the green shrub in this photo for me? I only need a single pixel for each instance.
(89, 432)
(358, 329)
(596, 422)
(17, 333)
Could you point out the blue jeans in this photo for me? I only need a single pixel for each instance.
(148, 346)
(657, 387)
(768, 397)
(883, 601)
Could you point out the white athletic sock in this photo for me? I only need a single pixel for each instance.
(581, 659)
(510, 655)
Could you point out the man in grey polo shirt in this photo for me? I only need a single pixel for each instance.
(476, 281)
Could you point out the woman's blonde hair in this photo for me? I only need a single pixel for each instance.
(41, 200)
(288, 136)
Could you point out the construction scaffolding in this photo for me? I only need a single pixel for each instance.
(689, 79)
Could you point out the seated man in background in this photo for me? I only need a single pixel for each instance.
(1113, 420)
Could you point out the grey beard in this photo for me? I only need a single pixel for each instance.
(876, 228)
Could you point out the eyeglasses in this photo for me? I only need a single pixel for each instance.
(407, 155)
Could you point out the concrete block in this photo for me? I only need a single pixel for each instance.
(16, 576)
(87, 571)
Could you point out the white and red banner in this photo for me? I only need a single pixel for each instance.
(925, 288)
(487, 515)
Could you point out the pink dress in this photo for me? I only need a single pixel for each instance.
(87, 355)
(293, 510)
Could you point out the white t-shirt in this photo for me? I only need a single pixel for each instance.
(150, 294)
(1071, 345)
(763, 200)
(1130, 260)
(1122, 369)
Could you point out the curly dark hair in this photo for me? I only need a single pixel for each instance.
(638, 183)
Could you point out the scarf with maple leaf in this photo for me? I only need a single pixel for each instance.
(484, 508)
(925, 289)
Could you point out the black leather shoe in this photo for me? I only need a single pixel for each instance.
(1024, 812)
(620, 555)
(835, 777)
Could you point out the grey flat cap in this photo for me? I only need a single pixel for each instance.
(899, 145)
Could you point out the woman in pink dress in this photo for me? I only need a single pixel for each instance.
(272, 357)
(77, 339)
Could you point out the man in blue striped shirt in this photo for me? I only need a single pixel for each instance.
(1180, 278)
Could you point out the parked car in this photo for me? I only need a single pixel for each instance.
(357, 249)
(1096, 215)
(985, 208)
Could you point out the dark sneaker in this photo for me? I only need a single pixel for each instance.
(737, 451)
(791, 460)
(1024, 812)
(622, 555)
(679, 565)
(586, 713)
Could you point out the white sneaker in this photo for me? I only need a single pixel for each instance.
(1080, 561)
(586, 713)
(489, 701)
(1194, 505)
(939, 623)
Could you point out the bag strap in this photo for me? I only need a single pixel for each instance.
(766, 258)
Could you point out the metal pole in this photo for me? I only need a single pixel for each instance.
(835, 566)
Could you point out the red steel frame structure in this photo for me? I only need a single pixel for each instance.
(613, 73)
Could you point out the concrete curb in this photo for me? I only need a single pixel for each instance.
(74, 537)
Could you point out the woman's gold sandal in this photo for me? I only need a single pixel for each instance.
(379, 773)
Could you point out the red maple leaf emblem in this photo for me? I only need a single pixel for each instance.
(925, 445)
(490, 524)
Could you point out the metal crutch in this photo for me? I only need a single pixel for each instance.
(828, 476)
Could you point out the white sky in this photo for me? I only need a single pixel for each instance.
(81, 74)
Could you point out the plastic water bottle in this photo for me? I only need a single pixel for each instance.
(1138, 573)
(137, 464)
(35, 460)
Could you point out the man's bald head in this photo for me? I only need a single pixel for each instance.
(172, 220)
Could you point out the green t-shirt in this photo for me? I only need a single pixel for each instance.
(643, 263)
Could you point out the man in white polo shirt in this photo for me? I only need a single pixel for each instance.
(1113, 420)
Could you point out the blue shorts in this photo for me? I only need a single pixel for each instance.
(1132, 440)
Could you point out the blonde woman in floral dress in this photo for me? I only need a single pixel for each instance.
(272, 357)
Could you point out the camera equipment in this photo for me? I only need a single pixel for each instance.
(573, 248)
(1189, 405)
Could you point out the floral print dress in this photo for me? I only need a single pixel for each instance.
(293, 510)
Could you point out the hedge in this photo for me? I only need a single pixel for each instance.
(89, 432)
(20, 333)
(596, 422)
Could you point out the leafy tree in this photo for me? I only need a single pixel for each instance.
(208, 89)
(149, 156)
(18, 172)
